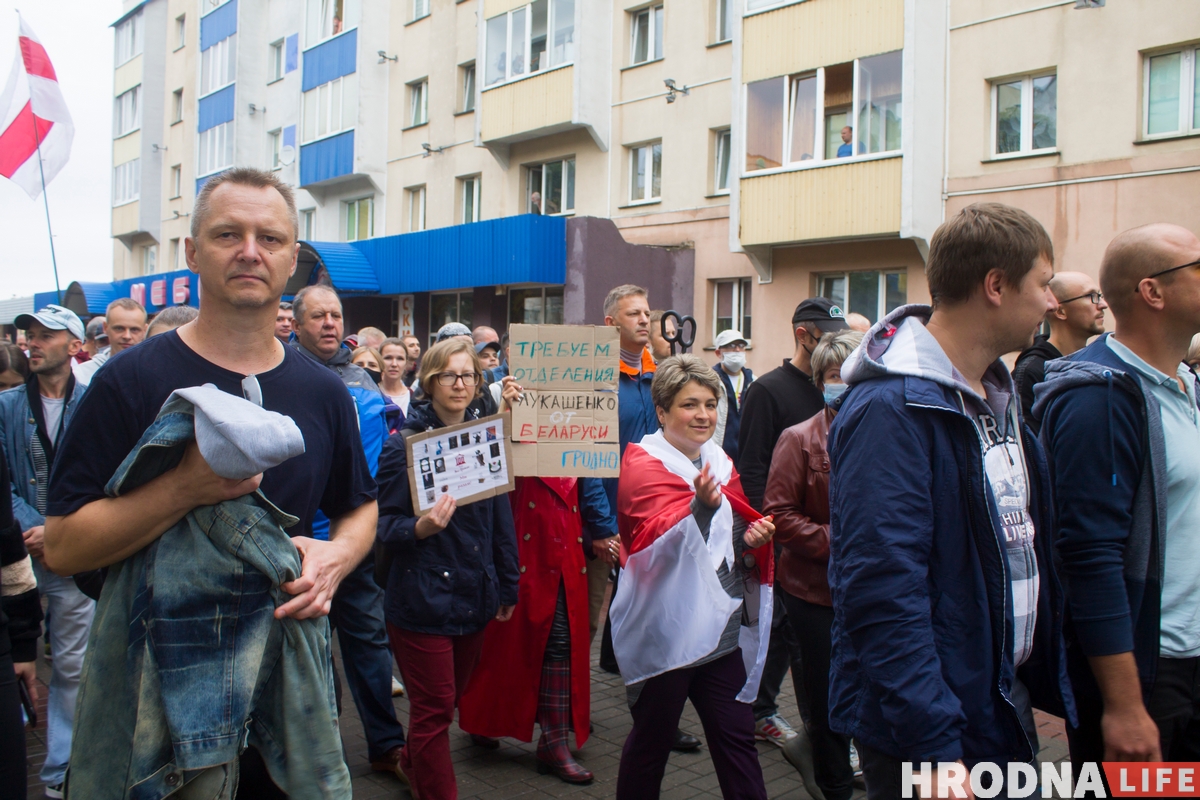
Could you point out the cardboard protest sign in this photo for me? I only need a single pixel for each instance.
(566, 424)
(469, 461)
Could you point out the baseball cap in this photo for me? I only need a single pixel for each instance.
(479, 348)
(822, 312)
(450, 330)
(56, 318)
(725, 338)
(95, 329)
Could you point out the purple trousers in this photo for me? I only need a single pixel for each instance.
(728, 729)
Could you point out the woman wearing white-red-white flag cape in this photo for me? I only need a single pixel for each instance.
(691, 618)
(35, 117)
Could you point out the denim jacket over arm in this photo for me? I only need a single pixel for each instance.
(186, 663)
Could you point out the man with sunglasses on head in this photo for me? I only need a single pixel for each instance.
(1121, 426)
(1078, 317)
(243, 245)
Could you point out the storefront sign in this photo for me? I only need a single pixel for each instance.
(405, 303)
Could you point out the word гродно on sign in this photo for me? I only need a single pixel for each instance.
(566, 424)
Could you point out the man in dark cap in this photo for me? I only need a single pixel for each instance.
(783, 397)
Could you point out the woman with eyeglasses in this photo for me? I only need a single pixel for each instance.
(452, 572)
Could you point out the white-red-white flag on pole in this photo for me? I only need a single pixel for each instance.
(33, 113)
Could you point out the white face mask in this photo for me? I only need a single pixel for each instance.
(734, 361)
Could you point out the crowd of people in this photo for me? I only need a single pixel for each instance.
(931, 546)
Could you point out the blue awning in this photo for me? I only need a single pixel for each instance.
(84, 298)
(348, 269)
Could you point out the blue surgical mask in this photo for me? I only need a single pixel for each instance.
(833, 391)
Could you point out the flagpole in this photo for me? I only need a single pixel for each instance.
(45, 200)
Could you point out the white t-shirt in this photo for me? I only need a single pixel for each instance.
(52, 410)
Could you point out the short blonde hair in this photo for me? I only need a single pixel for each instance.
(437, 358)
(676, 372)
(832, 351)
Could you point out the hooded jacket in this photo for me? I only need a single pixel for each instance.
(1030, 370)
(923, 631)
(1103, 433)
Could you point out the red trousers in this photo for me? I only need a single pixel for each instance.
(435, 670)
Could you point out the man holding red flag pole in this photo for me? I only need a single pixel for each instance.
(37, 131)
(691, 618)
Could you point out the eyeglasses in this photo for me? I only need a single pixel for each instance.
(1164, 272)
(736, 347)
(451, 378)
(1095, 297)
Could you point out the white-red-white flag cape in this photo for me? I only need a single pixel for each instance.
(34, 113)
(670, 608)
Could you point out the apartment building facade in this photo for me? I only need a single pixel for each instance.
(1087, 117)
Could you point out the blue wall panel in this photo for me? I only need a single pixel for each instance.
(326, 159)
(216, 108)
(220, 24)
(289, 136)
(291, 56)
(329, 60)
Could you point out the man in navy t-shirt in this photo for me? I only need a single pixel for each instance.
(243, 246)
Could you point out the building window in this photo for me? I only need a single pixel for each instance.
(420, 8)
(722, 149)
(216, 149)
(176, 181)
(539, 305)
(176, 255)
(1172, 93)
(647, 28)
(180, 31)
(645, 172)
(1025, 114)
(415, 198)
(811, 117)
(468, 87)
(177, 106)
(871, 293)
(275, 146)
(127, 181)
(530, 38)
(149, 259)
(725, 9)
(418, 103)
(307, 223)
(551, 188)
(330, 108)
(731, 306)
(218, 65)
(129, 39)
(127, 112)
(470, 190)
(328, 18)
(360, 219)
(446, 307)
(275, 62)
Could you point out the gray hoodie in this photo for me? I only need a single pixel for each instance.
(899, 344)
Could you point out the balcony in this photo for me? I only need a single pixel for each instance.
(859, 199)
(527, 108)
(327, 159)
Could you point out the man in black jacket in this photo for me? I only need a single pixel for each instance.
(1080, 315)
(783, 397)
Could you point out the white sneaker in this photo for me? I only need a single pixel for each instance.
(855, 761)
(397, 687)
(774, 729)
(55, 791)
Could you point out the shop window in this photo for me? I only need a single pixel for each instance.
(447, 307)
(872, 293)
(550, 188)
(731, 306)
(540, 305)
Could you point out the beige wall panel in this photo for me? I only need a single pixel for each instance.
(493, 7)
(860, 199)
(125, 218)
(127, 148)
(127, 75)
(528, 105)
(818, 33)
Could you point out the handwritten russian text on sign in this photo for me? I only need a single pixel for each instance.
(566, 424)
(564, 357)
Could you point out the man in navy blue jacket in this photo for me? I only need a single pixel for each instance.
(1122, 430)
(946, 606)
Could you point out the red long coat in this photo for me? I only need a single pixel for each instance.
(501, 697)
